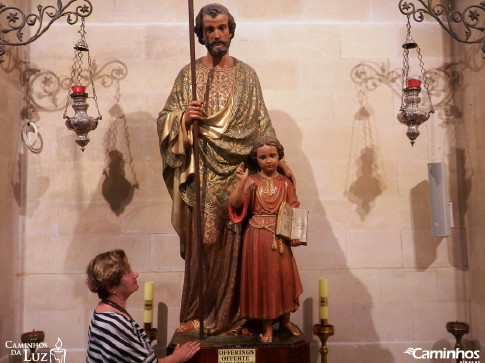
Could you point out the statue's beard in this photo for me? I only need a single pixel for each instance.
(219, 50)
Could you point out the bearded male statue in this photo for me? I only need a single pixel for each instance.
(232, 115)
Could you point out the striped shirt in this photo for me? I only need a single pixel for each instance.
(113, 337)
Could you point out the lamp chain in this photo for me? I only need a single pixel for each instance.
(405, 69)
(82, 32)
(405, 63)
(75, 65)
(425, 78)
(76, 71)
(95, 98)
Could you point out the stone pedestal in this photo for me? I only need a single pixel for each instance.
(285, 348)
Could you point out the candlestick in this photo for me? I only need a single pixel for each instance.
(323, 298)
(32, 337)
(152, 333)
(458, 329)
(323, 331)
(148, 303)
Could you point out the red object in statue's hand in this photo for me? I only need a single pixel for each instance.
(81, 89)
(414, 82)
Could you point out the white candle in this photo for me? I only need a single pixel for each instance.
(323, 298)
(148, 303)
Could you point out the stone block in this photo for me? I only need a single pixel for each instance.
(453, 285)
(72, 287)
(277, 74)
(373, 249)
(376, 322)
(353, 10)
(152, 11)
(255, 42)
(324, 248)
(271, 10)
(357, 41)
(147, 145)
(307, 41)
(167, 42)
(413, 179)
(385, 12)
(408, 286)
(61, 255)
(153, 217)
(151, 184)
(165, 256)
(295, 109)
(83, 218)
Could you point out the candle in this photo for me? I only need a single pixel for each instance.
(323, 298)
(78, 89)
(148, 305)
(414, 82)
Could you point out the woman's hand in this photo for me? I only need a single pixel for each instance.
(185, 352)
(193, 112)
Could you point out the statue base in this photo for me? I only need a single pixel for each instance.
(285, 348)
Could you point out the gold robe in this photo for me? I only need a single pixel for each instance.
(234, 121)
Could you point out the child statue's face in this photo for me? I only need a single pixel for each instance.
(268, 159)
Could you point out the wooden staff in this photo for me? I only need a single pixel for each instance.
(195, 132)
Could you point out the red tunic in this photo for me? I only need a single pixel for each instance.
(270, 283)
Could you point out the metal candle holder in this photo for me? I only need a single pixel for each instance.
(31, 338)
(410, 114)
(458, 329)
(81, 123)
(152, 333)
(323, 331)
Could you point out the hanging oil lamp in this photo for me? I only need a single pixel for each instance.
(81, 123)
(410, 113)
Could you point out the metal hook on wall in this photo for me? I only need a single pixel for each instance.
(31, 142)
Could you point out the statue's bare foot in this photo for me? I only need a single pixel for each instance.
(248, 331)
(186, 327)
(291, 328)
(267, 337)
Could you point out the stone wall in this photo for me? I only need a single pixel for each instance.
(468, 158)
(12, 199)
(330, 75)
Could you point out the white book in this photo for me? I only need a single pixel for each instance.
(292, 223)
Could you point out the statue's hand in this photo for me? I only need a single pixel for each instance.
(193, 112)
(295, 242)
(286, 171)
(241, 173)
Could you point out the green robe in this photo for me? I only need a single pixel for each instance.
(224, 142)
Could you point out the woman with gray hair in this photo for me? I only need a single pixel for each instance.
(113, 334)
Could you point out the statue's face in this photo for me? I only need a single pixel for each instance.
(217, 37)
(268, 159)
